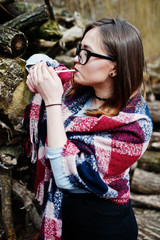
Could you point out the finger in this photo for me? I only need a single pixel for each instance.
(53, 73)
(33, 74)
(30, 80)
(30, 87)
(45, 72)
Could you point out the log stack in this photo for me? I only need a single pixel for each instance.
(55, 32)
(145, 187)
(31, 31)
(145, 181)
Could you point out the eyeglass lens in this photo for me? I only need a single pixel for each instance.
(83, 56)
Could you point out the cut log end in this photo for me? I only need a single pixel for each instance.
(18, 45)
(12, 41)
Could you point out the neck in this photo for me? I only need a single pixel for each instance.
(101, 99)
(103, 92)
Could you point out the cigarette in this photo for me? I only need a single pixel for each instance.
(60, 71)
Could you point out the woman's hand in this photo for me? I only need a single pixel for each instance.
(45, 81)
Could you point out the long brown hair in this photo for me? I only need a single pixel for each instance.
(122, 41)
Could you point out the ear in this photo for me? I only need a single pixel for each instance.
(113, 70)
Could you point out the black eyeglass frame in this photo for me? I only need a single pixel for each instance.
(91, 54)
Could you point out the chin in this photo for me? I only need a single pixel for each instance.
(77, 80)
(80, 81)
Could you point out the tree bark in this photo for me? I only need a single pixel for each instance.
(48, 31)
(145, 182)
(12, 41)
(29, 19)
(14, 93)
(6, 204)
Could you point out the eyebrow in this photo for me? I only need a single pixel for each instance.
(86, 46)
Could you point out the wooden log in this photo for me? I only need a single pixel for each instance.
(72, 35)
(48, 31)
(5, 131)
(29, 19)
(154, 143)
(156, 89)
(69, 40)
(150, 161)
(14, 93)
(154, 110)
(65, 21)
(15, 7)
(50, 10)
(148, 224)
(9, 155)
(6, 204)
(6, 1)
(145, 182)
(145, 201)
(12, 41)
(9, 8)
(27, 197)
(5, 13)
(43, 45)
(154, 69)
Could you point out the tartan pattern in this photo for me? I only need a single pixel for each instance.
(97, 156)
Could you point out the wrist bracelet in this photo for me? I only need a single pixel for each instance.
(54, 104)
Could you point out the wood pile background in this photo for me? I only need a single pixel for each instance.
(28, 29)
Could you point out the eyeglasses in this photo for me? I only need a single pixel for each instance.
(84, 55)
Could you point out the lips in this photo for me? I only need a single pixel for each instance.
(75, 70)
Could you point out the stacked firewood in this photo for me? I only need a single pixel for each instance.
(43, 29)
(55, 32)
(145, 181)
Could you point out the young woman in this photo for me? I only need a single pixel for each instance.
(98, 125)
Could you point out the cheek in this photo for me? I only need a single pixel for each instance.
(97, 71)
(93, 72)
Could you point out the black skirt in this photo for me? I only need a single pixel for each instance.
(88, 217)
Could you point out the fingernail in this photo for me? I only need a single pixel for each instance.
(53, 65)
(48, 64)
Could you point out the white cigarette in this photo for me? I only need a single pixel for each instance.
(60, 71)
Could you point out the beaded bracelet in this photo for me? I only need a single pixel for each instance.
(54, 104)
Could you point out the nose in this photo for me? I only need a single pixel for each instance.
(76, 59)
